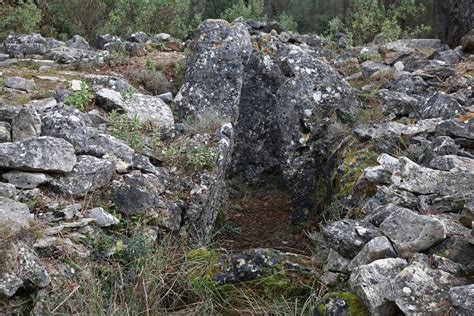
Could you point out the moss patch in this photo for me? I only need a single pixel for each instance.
(355, 161)
(355, 305)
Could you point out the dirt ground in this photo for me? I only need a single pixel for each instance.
(260, 218)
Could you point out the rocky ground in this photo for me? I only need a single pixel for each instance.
(286, 166)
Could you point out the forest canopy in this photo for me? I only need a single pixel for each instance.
(362, 20)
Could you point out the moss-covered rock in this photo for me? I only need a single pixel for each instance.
(342, 303)
(263, 273)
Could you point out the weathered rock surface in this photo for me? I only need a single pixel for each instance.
(372, 283)
(25, 180)
(420, 289)
(101, 217)
(441, 105)
(5, 132)
(347, 237)
(14, 215)
(462, 299)
(377, 248)
(143, 107)
(411, 232)
(88, 174)
(137, 193)
(67, 123)
(19, 83)
(25, 125)
(27, 272)
(214, 77)
(38, 154)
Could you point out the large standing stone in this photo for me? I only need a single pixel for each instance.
(371, 283)
(347, 237)
(25, 125)
(294, 111)
(89, 174)
(14, 215)
(216, 66)
(411, 232)
(38, 154)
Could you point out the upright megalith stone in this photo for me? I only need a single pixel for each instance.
(294, 111)
(215, 73)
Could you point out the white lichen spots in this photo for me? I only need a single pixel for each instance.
(267, 61)
(317, 96)
(240, 263)
(308, 112)
(406, 290)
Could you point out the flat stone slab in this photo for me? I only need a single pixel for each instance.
(38, 154)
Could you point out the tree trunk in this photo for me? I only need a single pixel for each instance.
(456, 19)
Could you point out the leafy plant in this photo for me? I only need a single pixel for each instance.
(200, 157)
(334, 26)
(255, 10)
(127, 95)
(80, 99)
(151, 65)
(21, 17)
(288, 22)
(126, 129)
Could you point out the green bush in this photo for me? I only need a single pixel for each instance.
(255, 10)
(150, 16)
(20, 18)
(288, 22)
(367, 20)
(126, 129)
(334, 26)
(80, 99)
(370, 18)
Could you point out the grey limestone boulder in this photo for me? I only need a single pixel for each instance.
(14, 215)
(347, 237)
(214, 77)
(19, 83)
(411, 232)
(371, 283)
(38, 154)
(89, 174)
(26, 124)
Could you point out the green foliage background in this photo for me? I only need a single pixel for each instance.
(89, 18)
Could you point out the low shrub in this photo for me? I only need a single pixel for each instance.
(155, 82)
(80, 99)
